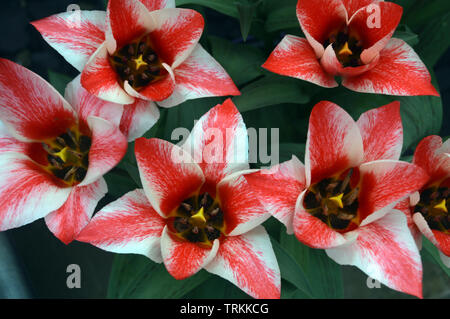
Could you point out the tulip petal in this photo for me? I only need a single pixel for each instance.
(295, 57)
(376, 36)
(200, 75)
(155, 91)
(75, 35)
(278, 189)
(431, 155)
(138, 118)
(354, 5)
(318, 18)
(86, 104)
(382, 132)
(219, 144)
(405, 207)
(182, 258)
(27, 193)
(67, 221)
(9, 143)
(168, 173)
(334, 142)
(399, 71)
(127, 225)
(126, 20)
(241, 208)
(107, 149)
(153, 5)
(312, 231)
(385, 251)
(248, 261)
(383, 184)
(100, 79)
(31, 108)
(176, 34)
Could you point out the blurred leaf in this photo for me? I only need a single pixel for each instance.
(282, 18)
(324, 275)
(434, 39)
(217, 288)
(242, 62)
(136, 276)
(291, 271)
(423, 11)
(271, 90)
(405, 33)
(289, 149)
(226, 7)
(59, 81)
(119, 183)
(434, 253)
(246, 11)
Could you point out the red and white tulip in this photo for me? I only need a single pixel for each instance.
(196, 209)
(352, 39)
(137, 53)
(430, 206)
(342, 199)
(53, 151)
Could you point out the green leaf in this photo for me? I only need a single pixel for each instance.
(291, 271)
(282, 18)
(271, 90)
(424, 11)
(434, 253)
(226, 7)
(324, 275)
(405, 33)
(119, 183)
(59, 81)
(136, 276)
(289, 149)
(246, 11)
(434, 39)
(217, 288)
(242, 62)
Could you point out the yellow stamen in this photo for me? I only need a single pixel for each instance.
(199, 218)
(345, 50)
(337, 200)
(139, 62)
(442, 206)
(62, 154)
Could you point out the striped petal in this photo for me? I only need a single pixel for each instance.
(200, 75)
(399, 71)
(182, 258)
(431, 155)
(153, 5)
(219, 144)
(318, 18)
(168, 173)
(248, 261)
(76, 35)
(241, 208)
(108, 147)
(382, 132)
(295, 57)
(334, 142)
(27, 193)
(176, 34)
(30, 108)
(100, 79)
(128, 225)
(278, 189)
(67, 221)
(385, 251)
(138, 118)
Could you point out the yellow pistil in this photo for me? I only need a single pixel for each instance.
(199, 218)
(442, 206)
(140, 62)
(62, 154)
(337, 200)
(345, 50)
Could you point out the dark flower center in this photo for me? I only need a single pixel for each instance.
(333, 201)
(434, 206)
(199, 219)
(347, 45)
(68, 156)
(137, 63)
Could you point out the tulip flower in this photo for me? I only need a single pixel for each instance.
(196, 209)
(429, 207)
(351, 39)
(53, 151)
(137, 53)
(342, 199)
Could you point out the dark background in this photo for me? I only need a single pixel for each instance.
(34, 262)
